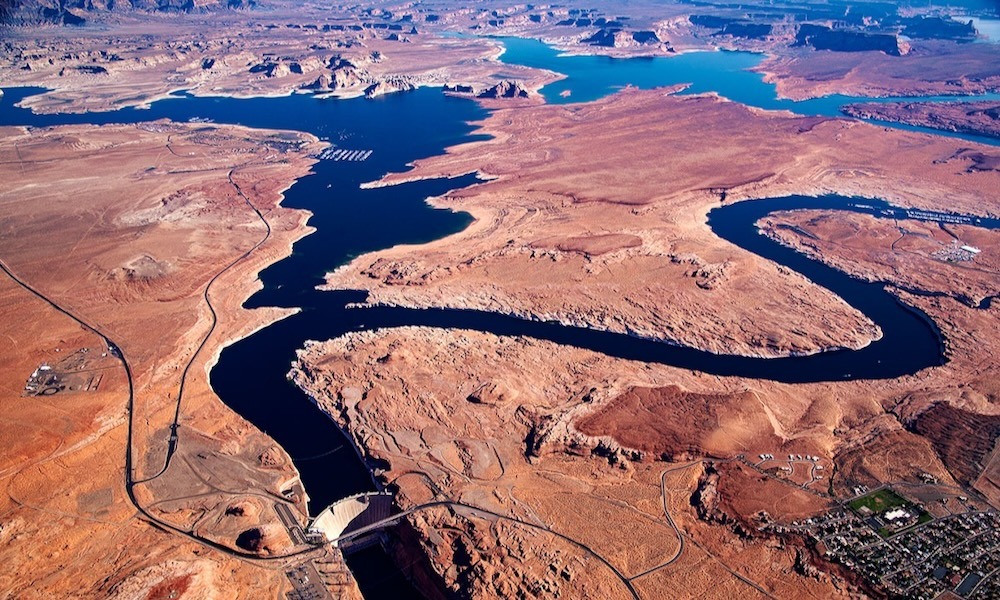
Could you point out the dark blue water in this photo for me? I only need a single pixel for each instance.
(909, 343)
(251, 374)
(725, 73)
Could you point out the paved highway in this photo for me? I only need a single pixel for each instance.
(174, 439)
(115, 350)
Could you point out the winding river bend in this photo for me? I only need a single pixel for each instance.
(251, 374)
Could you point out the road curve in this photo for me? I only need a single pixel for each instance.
(455, 504)
(174, 439)
(116, 351)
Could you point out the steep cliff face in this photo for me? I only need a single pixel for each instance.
(505, 89)
(977, 118)
(390, 85)
(619, 38)
(821, 37)
(77, 12)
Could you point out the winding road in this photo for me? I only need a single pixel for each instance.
(115, 350)
(174, 438)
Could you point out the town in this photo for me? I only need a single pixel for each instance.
(956, 252)
(902, 550)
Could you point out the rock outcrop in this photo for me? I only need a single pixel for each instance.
(938, 28)
(459, 88)
(977, 118)
(389, 86)
(752, 31)
(620, 38)
(76, 12)
(821, 37)
(341, 74)
(505, 89)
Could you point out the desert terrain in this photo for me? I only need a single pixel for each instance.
(489, 422)
(522, 467)
(977, 118)
(912, 255)
(128, 230)
(372, 49)
(564, 233)
(628, 229)
(269, 57)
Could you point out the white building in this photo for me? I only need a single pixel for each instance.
(897, 513)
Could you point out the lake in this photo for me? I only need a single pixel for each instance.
(250, 376)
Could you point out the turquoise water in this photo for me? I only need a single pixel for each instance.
(590, 78)
(726, 73)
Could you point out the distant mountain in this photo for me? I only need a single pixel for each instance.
(76, 12)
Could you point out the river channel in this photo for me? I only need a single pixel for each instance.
(250, 376)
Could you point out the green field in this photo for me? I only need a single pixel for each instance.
(878, 501)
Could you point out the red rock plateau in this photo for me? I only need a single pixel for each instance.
(555, 472)
(619, 240)
(929, 68)
(273, 54)
(131, 249)
(627, 229)
(977, 118)
(487, 422)
(913, 255)
(374, 49)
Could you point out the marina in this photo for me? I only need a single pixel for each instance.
(341, 154)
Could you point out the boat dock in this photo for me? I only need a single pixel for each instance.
(342, 154)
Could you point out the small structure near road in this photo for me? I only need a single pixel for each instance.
(79, 371)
